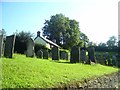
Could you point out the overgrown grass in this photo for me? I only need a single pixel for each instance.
(22, 72)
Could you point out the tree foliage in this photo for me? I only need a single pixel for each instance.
(83, 40)
(21, 41)
(112, 41)
(63, 30)
(109, 46)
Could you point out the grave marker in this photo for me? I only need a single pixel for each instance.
(30, 48)
(39, 54)
(75, 54)
(45, 54)
(9, 46)
(83, 56)
(55, 53)
(1, 45)
(91, 54)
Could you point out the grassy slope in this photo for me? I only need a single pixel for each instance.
(25, 72)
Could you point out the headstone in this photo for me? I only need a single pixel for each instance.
(109, 60)
(91, 54)
(105, 58)
(1, 45)
(75, 54)
(114, 58)
(30, 48)
(66, 55)
(50, 54)
(55, 53)
(45, 54)
(9, 46)
(39, 54)
(83, 56)
(62, 55)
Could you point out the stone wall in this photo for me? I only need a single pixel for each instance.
(105, 81)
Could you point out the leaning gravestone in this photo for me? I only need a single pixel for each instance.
(83, 56)
(39, 54)
(30, 48)
(1, 45)
(9, 46)
(55, 53)
(91, 54)
(75, 54)
(45, 54)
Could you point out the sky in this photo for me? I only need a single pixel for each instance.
(98, 19)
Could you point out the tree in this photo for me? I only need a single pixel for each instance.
(112, 41)
(83, 40)
(64, 31)
(21, 41)
(102, 44)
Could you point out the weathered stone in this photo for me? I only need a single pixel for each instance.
(39, 54)
(91, 54)
(83, 56)
(114, 58)
(109, 61)
(45, 54)
(1, 45)
(75, 54)
(50, 54)
(66, 56)
(105, 58)
(55, 53)
(9, 46)
(30, 48)
(62, 55)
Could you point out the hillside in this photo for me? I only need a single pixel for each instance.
(22, 72)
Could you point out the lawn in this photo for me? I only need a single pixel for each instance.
(22, 72)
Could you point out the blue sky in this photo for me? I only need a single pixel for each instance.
(98, 19)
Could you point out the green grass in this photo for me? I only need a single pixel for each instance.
(22, 72)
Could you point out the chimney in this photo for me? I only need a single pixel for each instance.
(38, 34)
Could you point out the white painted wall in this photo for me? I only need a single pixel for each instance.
(40, 41)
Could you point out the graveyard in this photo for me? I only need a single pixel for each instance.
(53, 67)
(26, 72)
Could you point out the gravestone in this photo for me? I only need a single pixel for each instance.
(50, 54)
(30, 48)
(66, 55)
(1, 45)
(105, 58)
(62, 55)
(39, 54)
(114, 58)
(83, 56)
(109, 60)
(9, 46)
(91, 54)
(45, 54)
(55, 53)
(75, 54)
